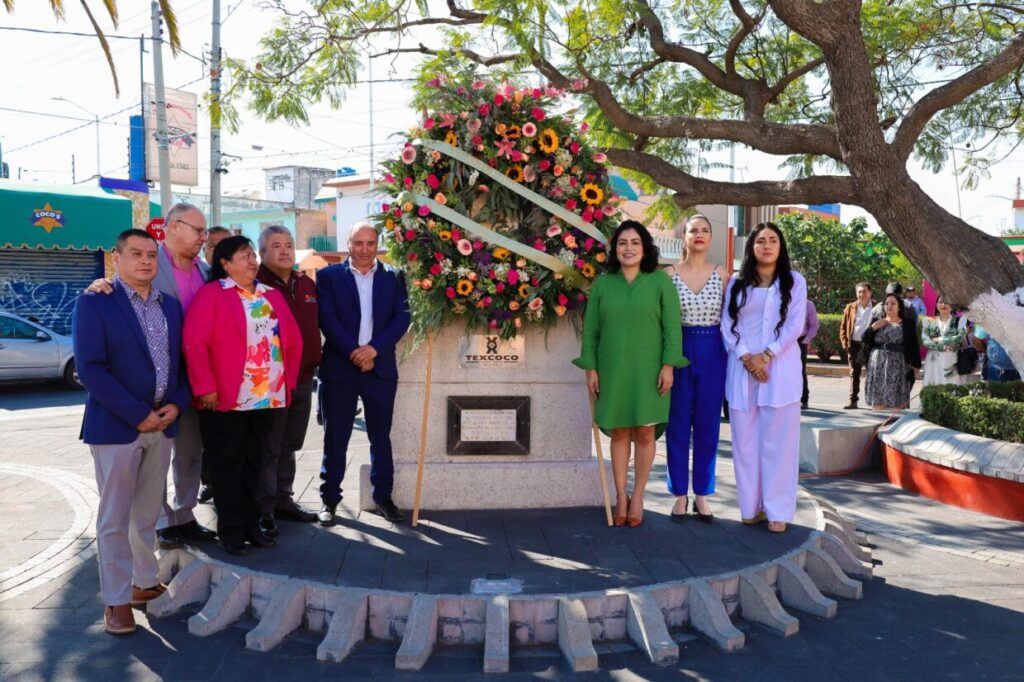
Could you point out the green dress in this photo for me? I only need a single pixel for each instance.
(629, 332)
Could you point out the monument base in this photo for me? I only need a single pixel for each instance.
(495, 485)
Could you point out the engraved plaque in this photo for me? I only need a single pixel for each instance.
(488, 425)
(486, 350)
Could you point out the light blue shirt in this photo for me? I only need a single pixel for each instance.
(364, 284)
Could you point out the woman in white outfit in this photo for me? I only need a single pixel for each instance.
(760, 326)
(942, 335)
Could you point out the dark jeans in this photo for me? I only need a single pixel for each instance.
(238, 440)
(287, 433)
(338, 401)
(995, 374)
(853, 359)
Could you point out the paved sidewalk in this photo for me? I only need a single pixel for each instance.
(947, 601)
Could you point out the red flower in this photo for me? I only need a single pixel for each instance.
(428, 124)
(574, 148)
(513, 277)
(562, 299)
(450, 292)
(588, 243)
(538, 114)
(412, 254)
(588, 214)
(456, 235)
(484, 109)
(536, 93)
(385, 208)
(544, 165)
(499, 100)
(493, 324)
(534, 281)
(433, 182)
(571, 204)
(407, 181)
(499, 287)
(477, 139)
(424, 212)
(491, 274)
(409, 234)
(435, 269)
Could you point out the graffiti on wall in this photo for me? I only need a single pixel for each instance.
(49, 303)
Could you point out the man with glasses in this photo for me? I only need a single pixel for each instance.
(180, 273)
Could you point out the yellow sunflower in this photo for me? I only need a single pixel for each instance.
(548, 142)
(444, 235)
(592, 194)
(588, 270)
(515, 172)
(501, 253)
(513, 132)
(464, 287)
(524, 290)
(451, 138)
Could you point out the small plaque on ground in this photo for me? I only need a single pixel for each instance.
(492, 586)
(488, 425)
(491, 351)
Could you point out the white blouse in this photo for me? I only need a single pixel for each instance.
(756, 330)
(703, 309)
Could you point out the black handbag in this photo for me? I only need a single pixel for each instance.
(966, 360)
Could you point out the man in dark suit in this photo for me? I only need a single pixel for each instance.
(128, 350)
(364, 312)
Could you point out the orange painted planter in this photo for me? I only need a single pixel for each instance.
(985, 494)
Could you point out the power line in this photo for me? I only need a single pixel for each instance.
(49, 115)
(94, 35)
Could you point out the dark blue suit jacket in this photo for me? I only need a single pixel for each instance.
(340, 315)
(116, 369)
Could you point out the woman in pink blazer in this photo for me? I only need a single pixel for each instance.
(242, 349)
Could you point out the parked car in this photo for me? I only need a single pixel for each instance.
(31, 352)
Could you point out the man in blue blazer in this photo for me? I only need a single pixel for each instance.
(128, 352)
(364, 312)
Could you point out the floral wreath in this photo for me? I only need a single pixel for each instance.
(501, 210)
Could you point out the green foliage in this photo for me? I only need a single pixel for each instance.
(833, 258)
(989, 409)
(826, 343)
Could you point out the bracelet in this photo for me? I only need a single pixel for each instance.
(766, 356)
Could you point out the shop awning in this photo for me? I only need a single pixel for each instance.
(38, 216)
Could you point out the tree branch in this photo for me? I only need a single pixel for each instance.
(785, 81)
(694, 190)
(954, 92)
(469, 54)
(684, 55)
(747, 26)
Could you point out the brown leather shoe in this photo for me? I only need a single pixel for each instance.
(141, 595)
(119, 619)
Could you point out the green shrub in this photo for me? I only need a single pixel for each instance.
(989, 409)
(826, 343)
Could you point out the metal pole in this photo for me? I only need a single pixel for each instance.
(373, 164)
(161, 111)
(956, 179)
(73, 180)
(215, 160)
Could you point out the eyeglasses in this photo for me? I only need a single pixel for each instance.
(200, 231)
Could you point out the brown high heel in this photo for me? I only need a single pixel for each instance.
(634, 521)
(761, 517)
(620, 520)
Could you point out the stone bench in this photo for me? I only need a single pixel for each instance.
(832, 442)
(957, 468)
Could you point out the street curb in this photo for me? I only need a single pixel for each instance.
(574, 621)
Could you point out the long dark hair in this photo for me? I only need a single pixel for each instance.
(899, 305)
(748, 277)
(649, 261)
(225, 250)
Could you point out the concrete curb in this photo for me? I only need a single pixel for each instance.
(500, 624)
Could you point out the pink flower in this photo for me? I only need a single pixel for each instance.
(579, 84)
(579, 263)
(558, 170)
(570, 241)
(573, 182)
(584, 127)
(600, 157)
(609, 210)
(484, 110)
(460, 90)
(435, 269)
(537, 113)
(456, 235)
(428, 124)
(412, 256)
(536, 93)
(433, 182)
(434, 83)
(493, 324)
(505, 148)
(529, 129)
(499, 287)
(574, 148)
(410, 235)
(588, 214)
(544, 165)
(529, 174)
(448, 120)
(571, 204)
(407, 181)
(478, 85)
(409, 154)
(388, 178)
(474, 126)
(464, 247)
(588, 243)
(513, 277)
(477, 140)
(477, 245)
(562, 299)
(554, 231)
(517, 155)
(535, 304)
(483, 188)
(423, 211)
(440, 256)
(450, 292)
(499, 99)
(487, 300)
(386, 207)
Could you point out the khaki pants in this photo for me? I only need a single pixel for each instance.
(131, 479)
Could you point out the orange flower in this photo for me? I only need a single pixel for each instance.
(515, 172)
(559, 310)
(500, 129)
(451, 138)
(601, 257)
(514, 132)
(514, 305)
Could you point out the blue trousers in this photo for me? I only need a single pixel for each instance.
(338, 402)
(695, 414)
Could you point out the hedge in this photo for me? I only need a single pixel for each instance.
(826, 343)
(989, 409)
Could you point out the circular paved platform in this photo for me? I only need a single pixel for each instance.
(541, 551)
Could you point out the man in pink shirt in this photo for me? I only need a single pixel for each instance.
(180, 273)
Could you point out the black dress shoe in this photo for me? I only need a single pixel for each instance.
(193, 531)
(704, 518)
(388, 510)
(236, 548)
(267, 525)
(168, 538)
(205, 494)
(295, 513)
(326, 515)
(261, 539)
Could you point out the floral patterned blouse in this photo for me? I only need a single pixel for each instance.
(263, 378)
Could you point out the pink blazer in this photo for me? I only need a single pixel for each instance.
(214, 343)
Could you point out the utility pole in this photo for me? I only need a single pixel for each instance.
(73, 180)
(373, 163)
(163, 153)
(215, 157)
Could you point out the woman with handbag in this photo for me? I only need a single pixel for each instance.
(943, 336)
(894, 353)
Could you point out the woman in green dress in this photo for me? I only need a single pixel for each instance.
(632, 340)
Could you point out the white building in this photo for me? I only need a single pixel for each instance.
(295, 185)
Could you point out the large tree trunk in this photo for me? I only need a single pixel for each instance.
(969, 267)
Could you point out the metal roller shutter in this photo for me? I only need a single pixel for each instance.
(45, 284)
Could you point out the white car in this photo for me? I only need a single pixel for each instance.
(31, 352)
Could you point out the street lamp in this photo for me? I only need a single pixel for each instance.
(96, 118)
